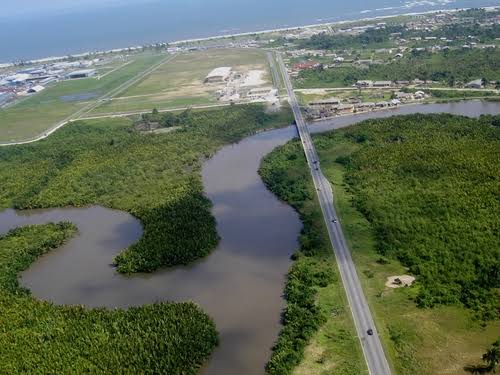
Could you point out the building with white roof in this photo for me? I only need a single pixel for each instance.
(218, 75)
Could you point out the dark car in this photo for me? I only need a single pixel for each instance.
(334, 220)
(370, 332)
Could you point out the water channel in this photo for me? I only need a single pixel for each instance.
(240, 284)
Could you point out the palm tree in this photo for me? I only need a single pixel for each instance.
(492, 356)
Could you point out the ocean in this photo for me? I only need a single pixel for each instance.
(25, 35)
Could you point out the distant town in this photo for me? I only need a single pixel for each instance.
(427, 33)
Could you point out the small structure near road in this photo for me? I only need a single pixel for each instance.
(399, 281)
(476, 84)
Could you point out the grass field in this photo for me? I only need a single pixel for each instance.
(180, 82)
(32, 116)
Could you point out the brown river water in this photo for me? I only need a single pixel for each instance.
(240, 284)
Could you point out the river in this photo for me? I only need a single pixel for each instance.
(240, 284)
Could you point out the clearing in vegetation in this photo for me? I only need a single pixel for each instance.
(39, 337)
(180, 83)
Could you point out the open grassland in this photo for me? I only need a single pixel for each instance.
(419, 191)
(181, 82)
(155, 177)
(318, 336)
(39, 337)
(38, 113)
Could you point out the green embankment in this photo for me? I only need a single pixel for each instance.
(318, 335)
(419, 191)
(155, 177)
(38, 337)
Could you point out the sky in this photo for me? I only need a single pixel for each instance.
(37, 7)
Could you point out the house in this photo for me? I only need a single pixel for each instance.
(305, 65)
(476, 84)
(330, 101)
(403, 96)
(419, 95)
(382, 84)
(36, 89)
(364, 84)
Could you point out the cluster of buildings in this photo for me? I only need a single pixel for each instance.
(331, 107)
(233, 86)
(32, 80)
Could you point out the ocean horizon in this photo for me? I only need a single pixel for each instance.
(30, 35)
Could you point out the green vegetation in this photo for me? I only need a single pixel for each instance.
(492, 356)
(427, 185)
(38, 337)
(447, 67)
(155, 177)
(377, 38)
(34, 115)
(415, 167)
(318, 332)
(448, 337)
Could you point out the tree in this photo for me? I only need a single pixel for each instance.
(492, 356)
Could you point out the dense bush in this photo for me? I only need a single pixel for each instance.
(429, 184)
(312, 268)
(38, 337)
(156, 177)
(447, 67)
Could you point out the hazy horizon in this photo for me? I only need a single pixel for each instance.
(58, 28)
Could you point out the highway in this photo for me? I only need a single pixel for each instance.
(372, 347)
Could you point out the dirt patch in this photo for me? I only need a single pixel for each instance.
(399, 281)
(254, 78)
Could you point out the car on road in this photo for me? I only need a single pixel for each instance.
(334, 220)
(370, 332)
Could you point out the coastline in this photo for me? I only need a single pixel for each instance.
(235, 35)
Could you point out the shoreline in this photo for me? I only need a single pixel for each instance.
(234, 35)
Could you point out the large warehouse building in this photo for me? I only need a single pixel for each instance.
(218, 75)
(81, 74)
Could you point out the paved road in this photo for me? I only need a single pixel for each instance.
(274, 70)
(372, 347)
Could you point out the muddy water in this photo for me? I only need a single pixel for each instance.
(239, 285)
